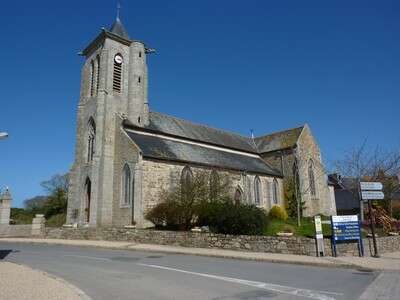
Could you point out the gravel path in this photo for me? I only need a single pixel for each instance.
(19, 282)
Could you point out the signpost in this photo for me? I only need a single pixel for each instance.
(346, 228)
(319, 236)
(371, 186)
(372, 195)
(372, 191)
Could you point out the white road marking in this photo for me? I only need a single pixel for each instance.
(312, 294)
(90, 257)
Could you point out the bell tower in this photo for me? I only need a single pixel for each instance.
(113, 87)
(121, 73)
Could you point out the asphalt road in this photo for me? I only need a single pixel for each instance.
(115, 274)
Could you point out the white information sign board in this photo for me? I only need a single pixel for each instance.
(372, 195)
(371, 186)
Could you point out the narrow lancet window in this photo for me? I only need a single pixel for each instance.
(275, 192)
(97, 74)
(311, 178)
(126, 185)
(257, 190)
(91, 139)
(92, 76)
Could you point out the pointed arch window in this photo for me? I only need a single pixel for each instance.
(91, 138)
(275, 191)
(126, 186)
(186, 181)
(88, 193)
(311, 178)
(117, 73)
(257, 190)
(238, 195)
(214, 184)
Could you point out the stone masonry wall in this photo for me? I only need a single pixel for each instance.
(37, 228)
(160, 176)
(307, 150)
(269, 244)
(15, 230)
(126, 153)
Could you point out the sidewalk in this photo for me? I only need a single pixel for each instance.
(21, 282)
(388, 262)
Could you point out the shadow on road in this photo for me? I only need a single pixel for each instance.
(4, 253)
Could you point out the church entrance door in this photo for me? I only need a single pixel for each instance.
(88, 186)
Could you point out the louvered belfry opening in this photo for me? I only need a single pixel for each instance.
(117, 77)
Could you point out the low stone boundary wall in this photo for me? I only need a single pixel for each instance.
(37, 228)
(290, 245)
(270, 244)
(15, 230)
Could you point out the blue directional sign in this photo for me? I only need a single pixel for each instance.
(346, 228)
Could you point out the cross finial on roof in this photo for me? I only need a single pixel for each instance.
(118, 9)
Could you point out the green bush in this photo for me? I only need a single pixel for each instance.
(227, 217)
(20, 216)
(166, 214)
(56, 220)
(278, 212)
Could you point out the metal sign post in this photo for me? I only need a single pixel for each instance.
(319, 237)
(372, 224)
(372, 191)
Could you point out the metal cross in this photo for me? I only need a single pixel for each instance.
(118, 9)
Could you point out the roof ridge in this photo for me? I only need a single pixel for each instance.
(280, 131)
(203, 125)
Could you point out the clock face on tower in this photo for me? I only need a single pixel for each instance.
(118, 59)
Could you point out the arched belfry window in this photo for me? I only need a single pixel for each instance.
(214, 184)
(91, 138)
(186, 180)
(257, 190)
(275, 191)
(238, 195)
(311, 178)
(126, 185)
(117, 73)
(97, 73)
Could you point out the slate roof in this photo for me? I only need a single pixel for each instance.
(119, 29)
(196, 132)
(157, 147)
(278, 140)
(345, 200)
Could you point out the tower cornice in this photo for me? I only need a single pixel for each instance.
(101, 37)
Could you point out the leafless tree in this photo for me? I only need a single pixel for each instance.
(371, 164)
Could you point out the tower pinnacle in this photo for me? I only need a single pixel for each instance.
(118, 28)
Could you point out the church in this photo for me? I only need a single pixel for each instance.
(126, 154)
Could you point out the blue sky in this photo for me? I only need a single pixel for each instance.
(236, 65)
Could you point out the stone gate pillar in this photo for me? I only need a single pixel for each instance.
(5, 207)
(38, 225)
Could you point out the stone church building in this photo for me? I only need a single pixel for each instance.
(126, 154)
